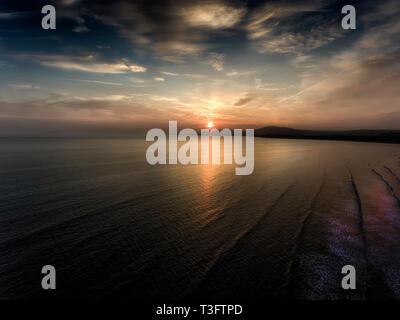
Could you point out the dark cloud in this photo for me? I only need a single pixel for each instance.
(170, 29)
(243, 101)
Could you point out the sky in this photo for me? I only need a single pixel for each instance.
(117, 66)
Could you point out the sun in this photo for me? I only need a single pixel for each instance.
(210, 124)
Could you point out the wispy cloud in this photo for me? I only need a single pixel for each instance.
(259, 85)
(216, 60)
(81, 25)
(169, 73)
(86, 63)
(285, 28)
(9, 15)
(99, 82)
(24, 86)
(235, 73)
(243, 101)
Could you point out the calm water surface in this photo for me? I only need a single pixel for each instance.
(114, 226)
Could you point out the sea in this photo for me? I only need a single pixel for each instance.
(114, 226)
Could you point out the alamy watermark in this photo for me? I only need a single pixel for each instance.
(188, 153)
(49, 280)
(49, 20)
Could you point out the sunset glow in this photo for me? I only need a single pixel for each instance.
(195, 61)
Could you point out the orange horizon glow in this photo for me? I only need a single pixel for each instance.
(210, 124)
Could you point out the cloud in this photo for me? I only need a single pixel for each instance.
(214, 16)
(24, 86)
(73, 108)
(140, 108)
(94, 67)
(146, 82)
(9, 15)
(136, 68)
(81, 29)
(195, 76)
(355, 88)
(172, 30)
(216, 60)
(81, 25)
(243, 101)
(99, 82)
(232, 74)
(85, 63)
(258, 83)
(169, 73)
(287, 27)
(235, 73)
(292, 42)
(180, 48)
(69, 2)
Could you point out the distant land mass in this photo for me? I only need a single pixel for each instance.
(384, 135)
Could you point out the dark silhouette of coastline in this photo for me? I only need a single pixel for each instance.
(384, 135)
